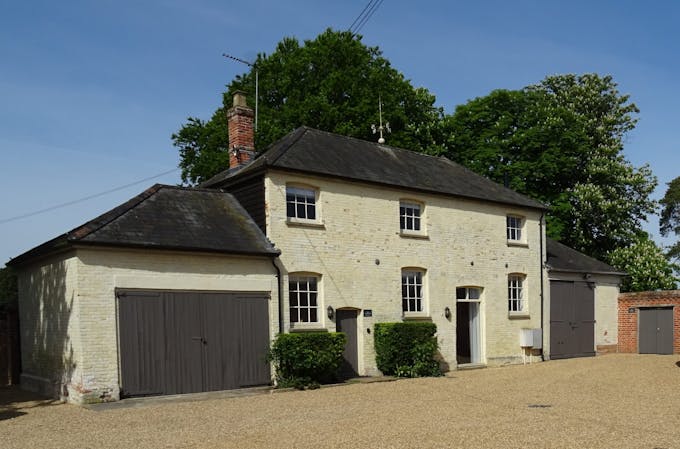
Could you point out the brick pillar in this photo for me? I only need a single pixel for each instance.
(241, 134)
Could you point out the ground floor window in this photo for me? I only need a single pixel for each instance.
(516, 293)
(412, 291)
(303, 296)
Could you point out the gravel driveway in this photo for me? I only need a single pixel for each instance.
(612, 401)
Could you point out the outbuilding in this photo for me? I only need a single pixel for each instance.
(649, 322)
(174, 291)
(583, 303)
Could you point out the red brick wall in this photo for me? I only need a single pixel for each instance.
(628, 330)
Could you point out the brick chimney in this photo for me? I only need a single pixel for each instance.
(241, 135)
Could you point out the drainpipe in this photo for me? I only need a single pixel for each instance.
(278, 283)
(540, 227)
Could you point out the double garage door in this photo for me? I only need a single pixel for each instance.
(572, 319)
(174, 342)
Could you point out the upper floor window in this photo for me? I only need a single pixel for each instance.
(412, 291)
(303, 297)
(409, 216)
(515, 225)
(301, 203)
(516, 293)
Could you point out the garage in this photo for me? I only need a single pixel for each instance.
(174, 291)
(174, 342)
(572, 319)
(656, 330)
(583, 305)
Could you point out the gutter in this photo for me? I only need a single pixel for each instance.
(278, 284)
(541, 265)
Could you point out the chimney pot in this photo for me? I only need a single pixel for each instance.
(239, 99)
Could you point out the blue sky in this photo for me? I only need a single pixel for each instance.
(91, 91)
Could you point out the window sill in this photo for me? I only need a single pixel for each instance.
(307, 327)
(518, 244)
(519, 315)
(414, 234)
(305, 223)
(416, 317)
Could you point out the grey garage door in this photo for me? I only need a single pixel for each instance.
(655, 334)
(174, 342)
(572, 320)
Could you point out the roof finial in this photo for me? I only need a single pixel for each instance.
(381, 128)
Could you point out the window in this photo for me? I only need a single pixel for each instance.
(468, 293)
(516, 293)
(300, 203)
(303, 299)
(409, 216)
(412, 291)
(514, 228)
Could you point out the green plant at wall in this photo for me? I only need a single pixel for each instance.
(305, 360)
(407, 349)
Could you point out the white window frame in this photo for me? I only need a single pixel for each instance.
(514, 229)
(311, 288)
(517, 297)
(303, 198)
(413, 292)
(417, 226)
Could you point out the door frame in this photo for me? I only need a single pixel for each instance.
(479, 322)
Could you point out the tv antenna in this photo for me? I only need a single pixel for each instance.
(381, 128)
(257, 81)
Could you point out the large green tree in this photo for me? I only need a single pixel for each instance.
(560, 141)
(670, 216)
(332, 83)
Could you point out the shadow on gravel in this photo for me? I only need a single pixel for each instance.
(13, 402)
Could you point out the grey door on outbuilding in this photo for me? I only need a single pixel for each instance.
(655, 330)
(572, 319)
(174, 342)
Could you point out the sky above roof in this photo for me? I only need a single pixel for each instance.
(91, 92)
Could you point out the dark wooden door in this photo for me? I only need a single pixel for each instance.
(176, 342)
(572, 319)
(346, 321)
(655, 330)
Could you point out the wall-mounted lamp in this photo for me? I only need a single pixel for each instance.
(587, 276)
(447, 312)
(330, 312)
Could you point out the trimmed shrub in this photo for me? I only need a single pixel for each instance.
(407, 349)
(305, 360)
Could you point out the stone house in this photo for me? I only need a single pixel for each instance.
(180, 290)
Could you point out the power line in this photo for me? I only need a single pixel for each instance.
(365, 14)
(96, 195)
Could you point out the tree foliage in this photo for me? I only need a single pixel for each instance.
(560, 141)
(669, 223)
(332, 83)
(646, 265)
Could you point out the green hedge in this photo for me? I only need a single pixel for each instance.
(407, 349)
(307, 359)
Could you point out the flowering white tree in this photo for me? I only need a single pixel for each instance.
(646, 265)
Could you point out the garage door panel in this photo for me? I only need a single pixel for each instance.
(655, 331)
(184, 370)
(221, 330)
(142, 344)
(253, 369)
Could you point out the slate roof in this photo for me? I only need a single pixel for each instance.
(564, 258)
(168, 217)
(322, 153)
